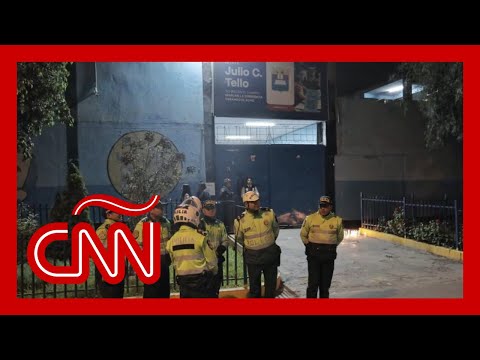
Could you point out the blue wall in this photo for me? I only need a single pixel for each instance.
(47, 172)
(161, 97)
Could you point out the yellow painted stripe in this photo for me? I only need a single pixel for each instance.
(453, 254)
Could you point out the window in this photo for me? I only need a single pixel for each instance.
(242, 131)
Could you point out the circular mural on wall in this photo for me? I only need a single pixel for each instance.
(144, 163)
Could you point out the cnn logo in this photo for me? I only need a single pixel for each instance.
(86, 245)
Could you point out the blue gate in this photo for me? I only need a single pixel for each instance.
(290, 178)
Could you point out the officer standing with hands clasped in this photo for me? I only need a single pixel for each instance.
(321, 233)
(193, 260)
(161, 288)
(216, 236)
(257, 229)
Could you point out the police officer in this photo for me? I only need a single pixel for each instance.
(202, 192)
(257, 229)
(216, 237)
(321, 233)
(193, 260)
(108, 290)
(161, 288)
(226, 192)
(227, 201)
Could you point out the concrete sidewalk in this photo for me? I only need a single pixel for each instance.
(373, 268)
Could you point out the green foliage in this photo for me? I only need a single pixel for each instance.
(442, 103)
(27, 224)
(396, 226)
(381, 224)
(232, 270)
(433, 231)
(41, 100)
(62, 209)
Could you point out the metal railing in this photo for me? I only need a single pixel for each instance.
(30, 286)
(437, 222)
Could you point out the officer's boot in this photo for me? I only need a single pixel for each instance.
(312, 292)
(324, 293)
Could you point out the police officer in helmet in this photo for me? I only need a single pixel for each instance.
(194, 261)
(257, 229)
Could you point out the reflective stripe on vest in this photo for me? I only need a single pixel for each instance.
(185, 248)
(259, 241)
(321, 236)
(181, 272)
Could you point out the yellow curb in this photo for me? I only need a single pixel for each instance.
(453, 254)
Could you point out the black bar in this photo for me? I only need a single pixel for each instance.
(456, 223)
(235, 262)
(127, 277)
(174, 279)
(22, 274)
(244, 268)
(33, 285)
(65, 263)
(227, 260)
(361, 209)
(183, 247)
(54, 285)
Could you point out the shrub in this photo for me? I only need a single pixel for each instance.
(62, 211)
(27, 224)
(396, 226)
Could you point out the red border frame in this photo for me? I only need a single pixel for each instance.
(321, 53)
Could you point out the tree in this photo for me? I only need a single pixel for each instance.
(62, 209)
(442, 102)
(41, 100)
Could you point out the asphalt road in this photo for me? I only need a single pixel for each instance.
(373, 268)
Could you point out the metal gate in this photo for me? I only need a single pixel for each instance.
(290, 178)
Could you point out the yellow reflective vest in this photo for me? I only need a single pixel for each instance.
(166, 232)
(320, 229)
(216, 233)
(258, 230)
(190, 253)
(103, 229)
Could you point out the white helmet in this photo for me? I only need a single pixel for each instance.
(186, 214)
(250, 196)
(192, 201)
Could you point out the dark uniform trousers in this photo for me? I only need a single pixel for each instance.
(109, 290)
(228, 212)
(197, 285)
(267, 261)
(160, 288)
(321, 262)
(255, 275)
(218, 278)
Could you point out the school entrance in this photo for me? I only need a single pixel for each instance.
(285, 159)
